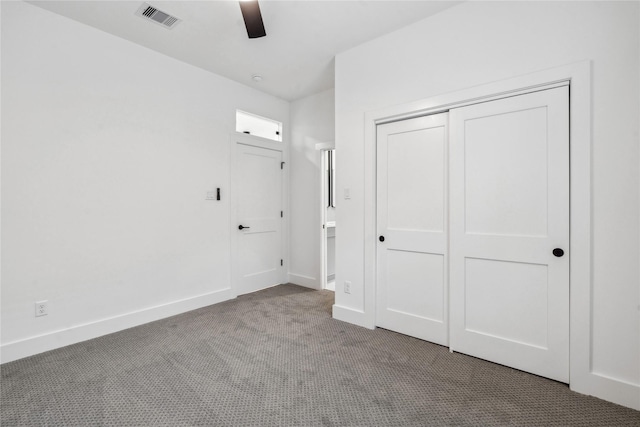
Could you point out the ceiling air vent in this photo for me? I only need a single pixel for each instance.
(159, 17)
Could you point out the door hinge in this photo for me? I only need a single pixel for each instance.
(281, 165)
(281, 262)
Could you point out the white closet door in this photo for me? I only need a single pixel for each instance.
(509, 211)
(412, 219)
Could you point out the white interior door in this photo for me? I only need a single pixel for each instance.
(509, 177)
(258, 228)
(412, 220)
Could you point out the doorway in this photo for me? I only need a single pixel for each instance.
(328, 215)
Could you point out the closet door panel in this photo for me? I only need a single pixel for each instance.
(509, 176)
(412, 222)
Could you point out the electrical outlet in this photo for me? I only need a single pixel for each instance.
(347, 287)
(42, 308)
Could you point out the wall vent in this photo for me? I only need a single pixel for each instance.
(152, 14)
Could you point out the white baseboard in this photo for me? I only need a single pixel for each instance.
(350, 315)
(607, 388)
(33, 345)
(306, 281)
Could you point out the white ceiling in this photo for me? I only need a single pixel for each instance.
(295, 59)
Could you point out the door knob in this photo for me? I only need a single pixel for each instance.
(381, 238)
(558, 252)
(242, 227)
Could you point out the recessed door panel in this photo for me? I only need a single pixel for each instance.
(259, 190)
(496, 291)
(416, 178)
(417, 279)
(506, 194)
(259, 256)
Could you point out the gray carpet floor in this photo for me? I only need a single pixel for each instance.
(277, 358)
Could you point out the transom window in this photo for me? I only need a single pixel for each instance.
(258, 126)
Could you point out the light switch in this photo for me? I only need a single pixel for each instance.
(347, 193)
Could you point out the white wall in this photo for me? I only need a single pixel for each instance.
(481, 42)
(312, 122)
(108, 150)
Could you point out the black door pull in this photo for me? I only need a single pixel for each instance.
(558, 252)
(381, 238)
(242, 227)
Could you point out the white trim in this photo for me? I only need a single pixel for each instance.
(582, 377)
(286, 206)
(33, 345)
(611, 389)
(351, 315)
(323, 217)
(468, 97)
(325, 146)
(306, 281)
(255, 141)
(321, 149)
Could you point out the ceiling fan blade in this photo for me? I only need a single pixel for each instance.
(252, 19)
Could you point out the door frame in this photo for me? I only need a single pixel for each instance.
(255, 141)
(323, 219)
(578, 77)
(321, 148)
